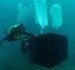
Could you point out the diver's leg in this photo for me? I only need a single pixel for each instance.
(4, 39)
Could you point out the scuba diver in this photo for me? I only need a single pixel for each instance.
(18, 33)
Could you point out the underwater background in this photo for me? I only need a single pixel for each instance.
(11, 57)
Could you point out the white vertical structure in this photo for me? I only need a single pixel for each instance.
(41, 13)
(56, 14)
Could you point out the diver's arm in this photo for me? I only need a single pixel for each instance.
(29, 35)
(24, 46)
(25, 41)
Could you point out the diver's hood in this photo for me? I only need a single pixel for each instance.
(12, 27)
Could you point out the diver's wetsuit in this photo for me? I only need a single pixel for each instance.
(24, 41)
(22, 36)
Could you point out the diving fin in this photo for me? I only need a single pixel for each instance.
(1, 43)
